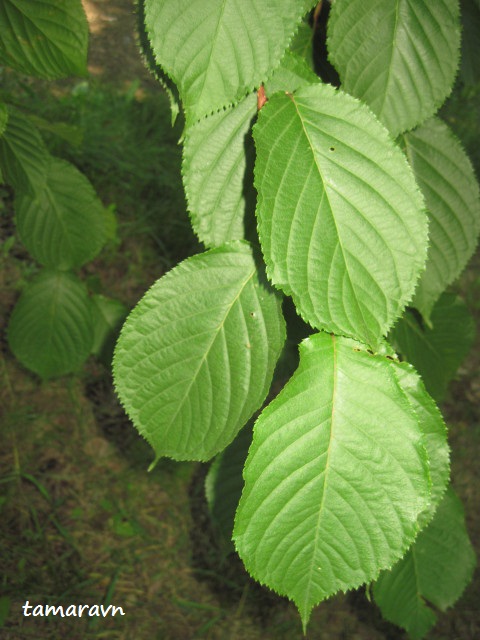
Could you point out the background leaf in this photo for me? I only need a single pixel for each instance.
(224, 484)
(446, 177)
(399, 56)
(470, 69)
(23, 155)
(63, 226)
(335, 478)
(3, 117)
(292, 73)
(51, 330)
(46, 38)
(108, 317)
(437, 568)
(436, 352)
(302, 43)
(196, 356)
(435, 436)
(335, 194)
(199, 44)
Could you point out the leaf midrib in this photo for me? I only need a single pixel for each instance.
(215, 334)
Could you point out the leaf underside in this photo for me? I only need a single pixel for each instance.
(340, 218)
(336, 475)
(399, 56)
(196, 356)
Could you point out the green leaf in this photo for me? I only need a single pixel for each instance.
(50, 330)
(46, 38)
(302, 43)
(199, 43)
(196, 356)
(224, 484)
(23, 155)
(340, 217)
(63, 226)
(447, 180)
(435, 436)
(149, 59)
(217, 158)
(470, 69)
(336, 475)
(3, 118)
(436, 569)
(108, 317)
(436, 352)
(291, 74)
(399, 56)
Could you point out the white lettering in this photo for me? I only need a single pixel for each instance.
(54, 610)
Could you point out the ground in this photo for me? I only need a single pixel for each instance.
(82, 520)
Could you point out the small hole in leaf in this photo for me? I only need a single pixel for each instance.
(332, 148)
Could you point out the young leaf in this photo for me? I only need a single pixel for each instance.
(218, 51)
(399, 56)
(437, 569)
(340, 217)
(436, 352)
(23, 155)
(50, 330)
(196, 356)
(447, 180)
(62, 226)
(217, 151)
(336, 476)
(48, 39)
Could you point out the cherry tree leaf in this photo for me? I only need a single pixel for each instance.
(336, 476)
(218, 51)
(45, 38)
(340, 217)
(196, 356)
(437, 351)
(436, 569)
(447, 179)
(51, 328)
(63, 226)
(399, 56)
